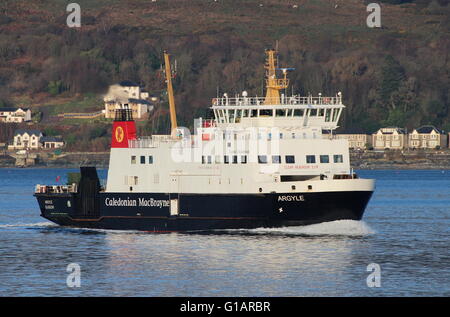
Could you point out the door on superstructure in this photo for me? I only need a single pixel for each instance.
(174, 195)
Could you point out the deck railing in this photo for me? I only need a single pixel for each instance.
(55, 189)
(291, 101)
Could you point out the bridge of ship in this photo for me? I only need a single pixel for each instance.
(284, 111)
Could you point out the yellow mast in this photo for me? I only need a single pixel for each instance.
(173, 113)
(273, 84)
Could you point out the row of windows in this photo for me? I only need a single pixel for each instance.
(275, 159)
(262, 159)
(142, 159)
(235, 115)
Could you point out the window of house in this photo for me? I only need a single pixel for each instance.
(338, 158)
(310, 159)
(290, 159)
(324, 159)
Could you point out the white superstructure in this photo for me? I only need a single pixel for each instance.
(252, 145)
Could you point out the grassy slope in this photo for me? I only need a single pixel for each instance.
(313, 24)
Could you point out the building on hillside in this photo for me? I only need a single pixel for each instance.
(427, 137)
(130, 95)
(357, 138)
(15, 115)
(26, 140)
(391, 138)
(52, 142)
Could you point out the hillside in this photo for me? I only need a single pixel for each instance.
(395, 75)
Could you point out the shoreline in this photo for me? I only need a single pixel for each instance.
(369, 160)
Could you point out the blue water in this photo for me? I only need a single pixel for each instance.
(405, 231)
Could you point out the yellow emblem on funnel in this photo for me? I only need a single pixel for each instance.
(119, 134)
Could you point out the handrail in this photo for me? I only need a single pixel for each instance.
(283, 100)
(55, 189)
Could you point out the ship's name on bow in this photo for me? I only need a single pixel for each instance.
(141, 202)
(291, 198)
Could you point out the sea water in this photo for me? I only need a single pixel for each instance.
(401, 248)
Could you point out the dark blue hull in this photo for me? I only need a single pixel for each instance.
(152, 211)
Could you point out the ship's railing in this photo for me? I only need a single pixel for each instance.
(55, 189)
(149, 142)
(283, 100)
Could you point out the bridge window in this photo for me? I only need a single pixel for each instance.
(133, 159)
(266, 113)
(327, 115)
(310, 159)
(150, 159)
(313, 113)
(324, 159)
(235, 159)
(226, 159)
(254, 113)
(281, 112)
(299, 112)
(142, 159)
(321, 112)
(244, 159)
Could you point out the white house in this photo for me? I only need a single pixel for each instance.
(427, 137)
(17, 115)
(389, 138)
(52, 142)
(26, 139)
(127, 94)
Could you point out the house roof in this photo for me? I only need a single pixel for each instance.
(51, 139)
(128, 83)
(399, 130)
(139, 101)
(426, 129)
(9, 109)
(30, 132)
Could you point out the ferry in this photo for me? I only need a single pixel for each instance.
(258, 162)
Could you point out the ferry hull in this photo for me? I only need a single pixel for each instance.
(191, 212)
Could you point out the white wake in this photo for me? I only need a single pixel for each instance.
(332, 228)
(28, 225)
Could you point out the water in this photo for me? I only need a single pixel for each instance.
(405, 231)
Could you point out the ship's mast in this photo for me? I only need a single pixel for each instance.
(273, 84)
(173, 113)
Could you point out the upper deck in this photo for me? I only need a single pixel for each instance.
(292, 111)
